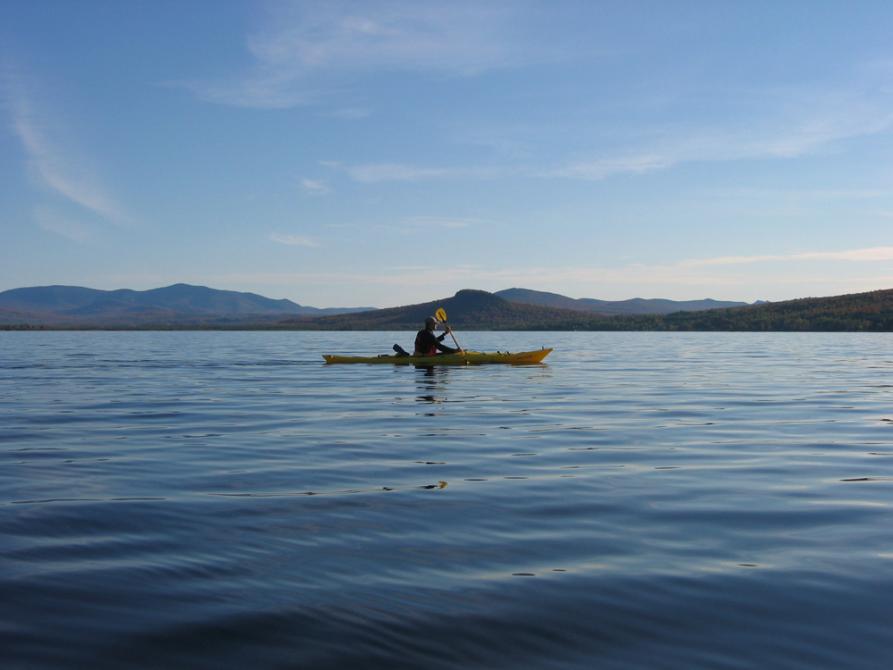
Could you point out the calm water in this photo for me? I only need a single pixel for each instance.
(643, 500)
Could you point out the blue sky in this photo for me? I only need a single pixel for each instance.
(382, 153)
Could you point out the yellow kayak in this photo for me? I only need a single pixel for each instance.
(465, 358)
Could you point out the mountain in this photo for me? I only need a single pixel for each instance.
(171, 305)
(632, 306)
(183, 306)
(871, 311)
(468, 309)
(479, 310)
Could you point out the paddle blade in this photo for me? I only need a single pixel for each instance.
(440, 314)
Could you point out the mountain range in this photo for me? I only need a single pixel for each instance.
(632, 306)
(185, 306)
(179, 304)
(479, 310)
(468, 309)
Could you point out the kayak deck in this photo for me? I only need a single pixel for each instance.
(465, 358)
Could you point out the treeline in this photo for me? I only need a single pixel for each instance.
(24, 326)
(856, 312)
(848, 313)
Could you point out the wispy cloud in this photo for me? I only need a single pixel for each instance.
(61, 225)
(594, 170)
(448, 223)
(601, 168)
(410, 225)
(798, 123)
(384, 172)
(51, 164)
(790, 124)
(377, 172)
(293, 240)
(352, 113)
(805, 194)
(302, 43)
(422, 224)
(867, 255)
(54, 169)
(673, 149)
(315, 186)
(676, 147)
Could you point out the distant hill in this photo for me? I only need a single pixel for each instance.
(872, 311)
(179, 304)
(468, 309)
(183, 306)
(479, 310)
(608, 307)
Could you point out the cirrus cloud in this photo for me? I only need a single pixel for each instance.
(52, 164)
(304, 48)
(293, 240)
(315, 186)
(869, 255)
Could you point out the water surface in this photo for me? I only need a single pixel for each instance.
(656, 500)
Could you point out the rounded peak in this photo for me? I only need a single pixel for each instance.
(471, 293)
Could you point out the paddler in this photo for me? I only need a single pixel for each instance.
(428, 344)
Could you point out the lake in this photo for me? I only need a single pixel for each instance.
(641, 500)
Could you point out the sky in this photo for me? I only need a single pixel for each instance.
(385, 153)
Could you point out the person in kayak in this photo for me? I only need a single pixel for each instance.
(428, 344)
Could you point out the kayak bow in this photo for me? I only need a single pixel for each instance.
(465, 358)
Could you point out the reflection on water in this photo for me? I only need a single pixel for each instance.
(432, 383)
(648, 500)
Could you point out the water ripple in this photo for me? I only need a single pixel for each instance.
(643, 500)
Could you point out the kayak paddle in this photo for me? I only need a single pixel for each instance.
(442, 317)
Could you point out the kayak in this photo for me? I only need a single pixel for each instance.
(465, 358)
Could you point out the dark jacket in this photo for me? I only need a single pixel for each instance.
(428, 344)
